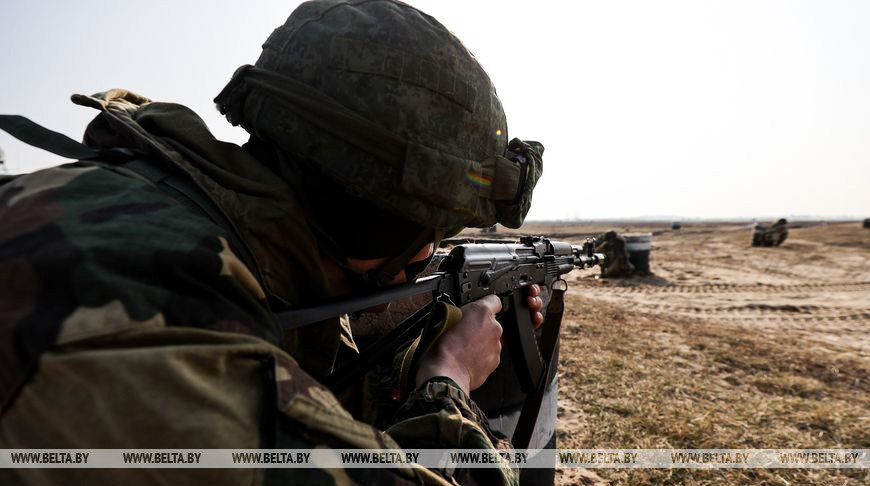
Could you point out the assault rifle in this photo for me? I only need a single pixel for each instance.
(468, 273)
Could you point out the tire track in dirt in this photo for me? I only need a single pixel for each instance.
(764, 269)
(791, 306)
(739, 314)
(787, 309)
(721, 288)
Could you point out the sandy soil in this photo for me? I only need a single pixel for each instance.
(816, 286)
(724, 346)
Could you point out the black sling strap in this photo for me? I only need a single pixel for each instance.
(57, 143)
(178, 184)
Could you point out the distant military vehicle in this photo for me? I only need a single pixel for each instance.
(772, 235)
(867, 223)
(676, 225)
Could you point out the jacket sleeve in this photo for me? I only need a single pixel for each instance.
(437, 415)
(182, 388)
(440, 415)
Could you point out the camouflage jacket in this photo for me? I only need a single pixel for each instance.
(128, 321)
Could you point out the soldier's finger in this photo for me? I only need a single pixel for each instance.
(535, 303)
(492, 303)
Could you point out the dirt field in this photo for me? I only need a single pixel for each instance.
(725, 346)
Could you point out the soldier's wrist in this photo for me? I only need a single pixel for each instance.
(447, 368)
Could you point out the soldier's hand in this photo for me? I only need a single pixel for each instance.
(536, 304)
(468, 352)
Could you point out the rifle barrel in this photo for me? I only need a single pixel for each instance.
(583, 261)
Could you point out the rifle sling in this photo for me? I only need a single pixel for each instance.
(441, 319)
(549, 346)
(38, 136)
(384, 348)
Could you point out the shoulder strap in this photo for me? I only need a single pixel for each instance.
(181, 187)
(38, 136)
(57, 143)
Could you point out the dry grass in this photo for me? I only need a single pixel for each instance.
(727, 346)
(634, 380)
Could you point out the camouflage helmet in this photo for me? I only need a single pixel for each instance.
(384, 101)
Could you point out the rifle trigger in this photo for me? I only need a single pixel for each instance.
(505, 303)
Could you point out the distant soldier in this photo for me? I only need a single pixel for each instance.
(616, 263)
(773, 235)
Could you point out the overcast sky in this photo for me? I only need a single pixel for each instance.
(647, 108)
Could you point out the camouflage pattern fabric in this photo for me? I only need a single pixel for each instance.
(389, 104)
(128, 321)
(616, 263)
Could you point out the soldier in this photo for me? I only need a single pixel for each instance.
(773, 235)
(616, 263)
(138, 285)
(777, 233)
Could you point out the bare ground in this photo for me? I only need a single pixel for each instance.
(726, 346)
